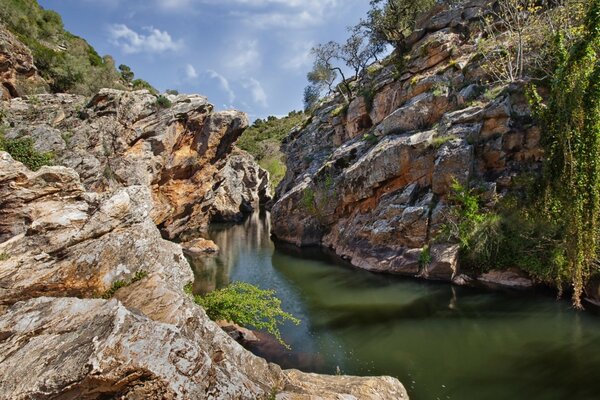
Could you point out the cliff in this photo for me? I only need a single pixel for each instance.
(372, 180)
(91, 294)
(120, 138)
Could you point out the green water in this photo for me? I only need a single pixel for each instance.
(441, 341)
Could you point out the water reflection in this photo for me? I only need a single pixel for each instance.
(441, 341)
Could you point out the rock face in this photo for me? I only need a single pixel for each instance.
(121, 139)
(62, 248)
(373, 185)
(18, 75)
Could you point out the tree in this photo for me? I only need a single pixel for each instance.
(126, 73)
(359, 51)
(391, 21)
(311, 96)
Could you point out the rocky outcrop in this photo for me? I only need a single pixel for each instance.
(92, 305)
(374, 184)
(121, 139)
(18, 74)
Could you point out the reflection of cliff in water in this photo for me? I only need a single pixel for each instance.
(234, 240)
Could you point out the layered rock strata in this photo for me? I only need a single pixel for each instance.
(92, 306)
(119, 139)
(373, 182)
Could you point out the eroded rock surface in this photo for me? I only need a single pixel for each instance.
(120, 139)
(374, 184)
(63, 248)
(18, 74)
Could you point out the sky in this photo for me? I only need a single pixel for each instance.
(251, 55)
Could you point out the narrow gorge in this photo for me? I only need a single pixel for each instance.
(403, 233)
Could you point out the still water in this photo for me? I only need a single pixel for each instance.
(441, 341)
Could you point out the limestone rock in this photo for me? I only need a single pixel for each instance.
(150, 340)
(61, 240)
(444, 262)
(200, 246)
(18, 74)
(378, 194)
(510, 278)
(120, 139)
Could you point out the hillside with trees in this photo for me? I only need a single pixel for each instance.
(67, 62)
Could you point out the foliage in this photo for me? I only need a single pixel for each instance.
(140, 84)
(263, 140)
(247, 305)
(4, 256)
(425, 256)
(126, 73)
(368, 93)
(391, 21)
(163, 102)
(571, 179)
(340, 110)
(518, 37)
(139, 275)
(173, 92)
(370, 138)
(439, 141)
(316, 200)
(23, 151)
(66, 62)
(355, 53)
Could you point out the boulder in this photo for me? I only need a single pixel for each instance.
(513, 277)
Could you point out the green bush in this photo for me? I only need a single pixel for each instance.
(163, 102)
(139, 275)
(247, 305)
(22, 150)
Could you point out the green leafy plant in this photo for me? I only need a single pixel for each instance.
(263, 140)
(23, 151)
(247, 305)
(370, 138)
(4, 256)
(139, 275)
(439, 141)
(425, 256)
(571, 178)
(163, 102)
(476, 230)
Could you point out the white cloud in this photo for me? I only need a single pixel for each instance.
(223, 83)
(299, 56)
(264, 13)
(257, 91)
(130, 41)
(243, 56)
(190, 71)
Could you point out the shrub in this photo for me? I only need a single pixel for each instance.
(247, 305)
(425, 256)
(163, 102)
(439, 141)
(22, 150)
(476, 230)
(370, 138)
(4, 256)
(139, 275)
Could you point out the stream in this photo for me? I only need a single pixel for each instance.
(441, 341)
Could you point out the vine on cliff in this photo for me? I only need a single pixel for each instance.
(571, 179)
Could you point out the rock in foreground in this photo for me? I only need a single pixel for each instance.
(146, 339)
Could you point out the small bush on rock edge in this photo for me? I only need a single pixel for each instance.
(246, 305)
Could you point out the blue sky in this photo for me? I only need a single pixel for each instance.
(251, 55)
